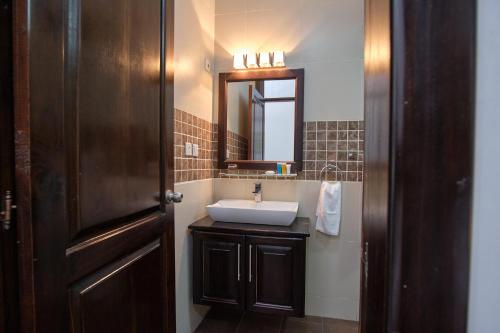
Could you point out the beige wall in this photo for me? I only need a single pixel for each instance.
(333, 263)
(323, 36)
(194, 41)
(197, 194)
(484, 305)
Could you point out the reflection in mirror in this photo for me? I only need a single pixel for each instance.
(261, 120)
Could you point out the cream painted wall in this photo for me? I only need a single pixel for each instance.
(323, 36)
(197, 195)
(484, 304)
(332, 263)
(193, 43)
(193, 89)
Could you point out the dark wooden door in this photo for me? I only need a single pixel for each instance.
(93, 109)
(276, 275)
(419, 115)
(8, 254)
(218, 269)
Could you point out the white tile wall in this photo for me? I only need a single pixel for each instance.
(333, 263)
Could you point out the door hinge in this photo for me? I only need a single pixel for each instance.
(6, 213)
(365, 265)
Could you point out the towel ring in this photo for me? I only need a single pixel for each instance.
(329, 167)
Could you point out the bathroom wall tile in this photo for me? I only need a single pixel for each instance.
(189, 128)
(336, 142)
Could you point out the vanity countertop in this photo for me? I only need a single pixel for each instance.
(299, 228)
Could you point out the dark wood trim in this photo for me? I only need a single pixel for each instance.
(279, 99)
(298, 229)
(168, 240)
(376, 185)
(432, 159)
(271, 74)
(9, 298)
(419, 118)
(23, 170)
(250, 122)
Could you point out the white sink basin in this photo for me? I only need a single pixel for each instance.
(249, 211)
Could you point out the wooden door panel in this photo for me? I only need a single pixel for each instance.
(274, 274)
(126, 287)
(93, 163)
(112, 101)
(97, 251)
(276, 280)
(219, 265)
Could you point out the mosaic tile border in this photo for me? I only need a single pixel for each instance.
(338, 142)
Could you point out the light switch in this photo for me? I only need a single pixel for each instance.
(208, 65)
(195, 150)
(188, 149)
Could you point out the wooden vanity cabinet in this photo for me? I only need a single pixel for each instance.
(276, 277)
(218, 269)
(250, 267)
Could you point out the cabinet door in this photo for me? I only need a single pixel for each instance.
(218, 269)
(276, 275)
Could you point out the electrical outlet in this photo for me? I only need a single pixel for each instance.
(188, 149)
(227, 153)
(195, 150)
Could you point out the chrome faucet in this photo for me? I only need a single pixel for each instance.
(257, 193)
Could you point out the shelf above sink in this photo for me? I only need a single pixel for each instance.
(263, 175)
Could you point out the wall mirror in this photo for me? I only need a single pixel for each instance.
(261, 119)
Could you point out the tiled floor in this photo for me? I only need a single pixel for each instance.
(249, 322)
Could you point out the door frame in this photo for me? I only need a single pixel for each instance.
(21, 89)
(420, 87)
(8, 253)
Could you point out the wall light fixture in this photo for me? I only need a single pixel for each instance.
(261, 60)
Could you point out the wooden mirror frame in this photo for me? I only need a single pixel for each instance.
(254, 75)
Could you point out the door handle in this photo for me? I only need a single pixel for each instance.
(174, 197)
(239, 269)
(250, 263)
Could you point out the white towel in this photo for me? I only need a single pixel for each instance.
(329, 208)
